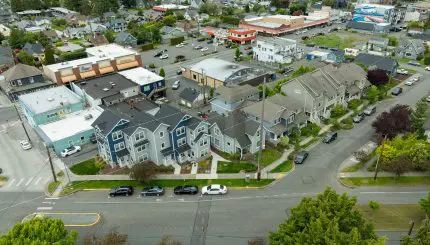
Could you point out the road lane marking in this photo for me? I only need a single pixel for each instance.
(29, 181)
(52, 203)
(11, 182)
(51, 198)
(37, 181)
(19, 183)
(44, 208)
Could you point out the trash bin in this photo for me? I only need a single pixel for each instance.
(247, 178)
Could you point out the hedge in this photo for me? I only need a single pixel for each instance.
(176, 40)
(146, 47)
(73, 55)
(230, 20)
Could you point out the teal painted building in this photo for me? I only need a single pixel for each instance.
(49, 105)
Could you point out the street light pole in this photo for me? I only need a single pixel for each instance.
(50, 163)
(260, 151)
(22, 123)
(379, 157)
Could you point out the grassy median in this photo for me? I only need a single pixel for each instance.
(283, 167)
(386, 181)
(108, 184)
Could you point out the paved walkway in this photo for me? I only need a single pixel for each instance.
(380, 174)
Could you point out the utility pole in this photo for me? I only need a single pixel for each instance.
(260, 151)
(411, 227)
(50, 163)
(379, 157)
(203, 86)
(22, 123)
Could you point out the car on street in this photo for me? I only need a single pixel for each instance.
(414, 63)
(428, 98)
(25, 145)
(159, 53)
(179, 45)
(402, 72)
(301, 157)
(310, 45)
(70, 150)
(200, 39)
(410, 81)
(198, 47)
(395, 29)
(204, 49)
(396, 91)
(369, 110)
(164, 56)
(228, 46)
(210, 41)
(186, 189)
(330, 137)
(358, 118)
(121, 191)
(305, 38)
(152, 191)
(214, 190)
(427, 68)
(176, 85)
(179, 58)
(179, 71)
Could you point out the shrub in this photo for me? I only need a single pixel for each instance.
(354, 104)
(337, 111)
(347, 120)
(146, 47)
(230, 20)
(58, 44)
(336, 125)
(176, 40)
(73, 55)
(311, 129)
(427, 60)
(152, 66)
(374, 205)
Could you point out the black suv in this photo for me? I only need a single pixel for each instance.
(186, 189)
(121, 191)
(301, 157)
(328, 138)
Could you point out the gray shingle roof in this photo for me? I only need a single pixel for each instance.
(189, 94)
(236, 93)
(20, 71)
(33, 48)
(361, 26)
(381, 62)
(94, 86)
(122, 37)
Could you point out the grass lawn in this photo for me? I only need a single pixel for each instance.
(52, 186)
(108, 184)
(88, 167)
(332, 41)
(390, 181)
(269, 155)
(411, 71)
(235, 167)
(354, 168)
(283, 167)
(393, 217)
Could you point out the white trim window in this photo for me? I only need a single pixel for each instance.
(201, 129)
(204, 141)
(180, 131)
(216, 130)
(139, 136)
(141, 148)
(117, 135)
(290, 119)
(119, 146)
(161, 134)
(182, 141)
(144, 157)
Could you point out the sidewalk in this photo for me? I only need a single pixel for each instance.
(364, 174)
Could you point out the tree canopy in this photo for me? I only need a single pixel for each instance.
(393, 122)
(39, 231)
(329, 219)
(425, 204)
(26, 58)
(377, 77)
(209, 8)
(49, 55)
(419, 115)
(143, 172)
(112, 237)
(422, 236)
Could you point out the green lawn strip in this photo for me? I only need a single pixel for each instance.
(386, 181)
(354, 168)
(283, 167)
(393, 217)
(88, 167)
(108, 184)
(331, 41)
(235, 167)
(269, 156)
(3, 178)
(52, 186)
(411, 71)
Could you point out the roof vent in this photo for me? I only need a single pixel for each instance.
(105, 89)
(113, 84)
(88, 116)
(50, 99)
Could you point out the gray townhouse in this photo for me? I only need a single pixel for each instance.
(135, 131)
(325, 87)
(228, 99)
(410, 48)
(234, 133)
(281, 115)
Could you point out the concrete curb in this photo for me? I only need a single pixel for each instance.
(345, 185)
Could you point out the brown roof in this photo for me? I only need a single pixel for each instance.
(50, 33)
(20, 71)
(98, 39)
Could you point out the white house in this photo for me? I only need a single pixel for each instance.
(276, 50)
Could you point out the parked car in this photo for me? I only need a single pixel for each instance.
(25, 145)
(369, 110)
(70, 150)
(286, 70)
(204, 49)
(358, 118)
(305, 38)
(228, 45)
(93, 138)
(164, 56)
(247, 48)
(427, 68)
(330, 137)
(414, 63)
(121, 191)
(402, 72)
(428, 98)
(214, 190)
(411, 81)
(179, 45)
(210, 41)
(152, 191)
(323, 47)
(186, 189)
(301, 157)
(395, 29)
(396, 91)
(334, 49)
(176, 85)
(159, 53)
(198, 47)
(179, 58)
(179, 71)
(200, 39)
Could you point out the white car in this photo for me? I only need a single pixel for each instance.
(204, 49)
(428, 68)
(410, 82)
(25, 145)
(179, 45)
(176, 85)
(428, 98)
(214, 190)
(164, 56)
(71, 150)
(403, 72)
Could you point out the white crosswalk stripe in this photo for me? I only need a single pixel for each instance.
(29, 181)
(10, 182)
(37, 181)
(20, 181)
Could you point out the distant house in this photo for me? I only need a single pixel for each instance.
(126, 39)
(374, 61)
(22, 24)
(76, 33)
(335, 56)
(109, 16)
(410, 48)
(98, 39)
(6, 58)
(170, 32)
(77, 20)
(377, 46)
(229, 99)
(23, 79)
(276, 50)
(4, 30)
(52, 35)
(36, 50)
(117, 25)
(191, 98)
(70, 47)
(42, 23)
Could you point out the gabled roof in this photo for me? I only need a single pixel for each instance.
(33, 48)
(235, 93)
(416, 45)
(20, 71)
(122, 37)
(189, 94)
(381, 62)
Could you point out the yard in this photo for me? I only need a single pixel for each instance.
(393, 217)
(108, 184)
(235, 167)
(88, 167)
(269, 156)
(283, 167)
(387, 181)
(333, 41)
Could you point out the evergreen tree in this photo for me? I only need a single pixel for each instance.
(419, 115)
(49, 55)
(162, 72)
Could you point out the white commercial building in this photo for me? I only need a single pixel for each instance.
(276, 50)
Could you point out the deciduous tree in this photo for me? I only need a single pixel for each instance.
(49, 55)
(41, 230)
(419, 115)
(329, 219)
(112, 237)
(398, 166)
(372, 94)
(377, 77)
(129, 3)
(162, 72)
(26, 58)
(209, 8)
(425, 204)
(422, 236)
(393, 122)
(16, 38)
(169, 20)
(109, 35)
(143, 172)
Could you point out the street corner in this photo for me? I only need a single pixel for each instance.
(69, 219)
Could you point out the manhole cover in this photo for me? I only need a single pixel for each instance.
(308, 180)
